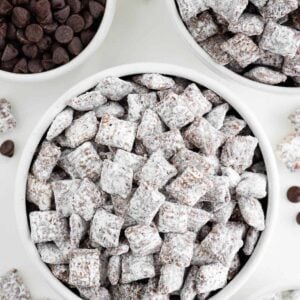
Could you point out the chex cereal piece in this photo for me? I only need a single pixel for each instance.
(131, 291)
(248, 24)
(47, 226)
(82, 129)
(291, 65)
(279, 39)
(114, 269)
(211, 277)
(252, 212)
(139, 89)
(145, 203)
(150, 291)
(213, 47)
(294, 118)
(78, 228)
(168, 142)
(172, 218)
(266, 75)
(64, 191)
(116, 178)
(85, 268)
(110, 108)
(177, 249)
(232, 126)
(238, 152)
(86, 200)
(223, 214)
(13, 287)
(234, 268)
(188, 290)
(202, 27)
(190, 8)
(120, 204)
(204, 136)
(130, 160)
(136, 267)
(51, 254)
(114, 88)
(185, 158)
(92, 293)
(259, 3)
(195, 100)
(39, 193)
(7, 120)
(171, 278)
(233, 176)
(143, 239)
(212, 97)
(86, 161)
(242, 49)
(270, 59)
(276, 9)
(230, 10)
(87, 101)
(150, 125)
(45, 161)
(197, 218)
(122, 248)
(252, 185)
(105, 228)
(154, 81)
(189, 187)
(250, 241)
(157, 171)
(217, 190)
(116, 133)
(138, 103)
(174, 111)
(217, 115)
(66, 165)
(62, 121)
(61, 272)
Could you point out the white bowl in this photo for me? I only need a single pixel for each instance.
(215, 67)
(125, 70)
(93, 45)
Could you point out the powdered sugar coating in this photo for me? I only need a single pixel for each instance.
(7, 120)
(87, 101)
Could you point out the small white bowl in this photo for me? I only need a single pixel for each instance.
(93, 45)
(125, 70)
(217, 68)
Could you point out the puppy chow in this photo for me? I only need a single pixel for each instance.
(7, 120)
(51, 254)
(78, 228)
(87, 101)
(114, 269)
(217, 115)
(154, 81)
(110, 108)
(171, 278)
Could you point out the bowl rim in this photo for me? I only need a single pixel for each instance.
(127, 70)
(218, 69)
(91, 48)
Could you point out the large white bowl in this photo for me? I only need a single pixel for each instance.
(125, 70)
(215, 67)
(93, 45)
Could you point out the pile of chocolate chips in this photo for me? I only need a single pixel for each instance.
(39, 35)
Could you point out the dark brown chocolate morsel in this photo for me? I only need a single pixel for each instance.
(42, 10)
(5, 7)
(3, 30)
(11, 31)
(60, 56)
(298, 218)
(293, 194)
(62, 15)
(47, 61)
(7, 148)
(75, 46)
(76, 22)
(64, 34)
(21, 66)
(30, 50)
(75, 6)
(20, 17)
(96, 9)
(35, 66)
(34, 33)
(86, 36)
(9, 53)
(88, 19)
(45, 43)
(50, 28)
(58, 4)
(21, 37)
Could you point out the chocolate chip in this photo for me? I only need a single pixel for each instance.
(11, 31)
(5, 7)
(9, 65)
(50, 28)
(34, 33)
(21, 37)
(96, 9)
(76, 22)
(47, 62)
(62, 15)
(30, 51)
(64, 34)
(35, 66)
(7, 148)
(58, 4)
(86, 36)
(298, 218)
(60, 56)
(20, 2)
(42, 10)
(75, 46)
(75, 6)
(3, 30)
(45, 43)
(88, 19)
(21, 66)
(9, 53)
(20, 17)
(293, 194)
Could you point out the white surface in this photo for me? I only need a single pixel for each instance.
(143, 31)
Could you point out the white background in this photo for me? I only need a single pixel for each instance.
(144, 31)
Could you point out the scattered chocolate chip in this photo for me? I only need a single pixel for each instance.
(293, 194)
(11, 31)
(62, 15)
(88, 19)
(21, 37)
(50, 28)
(20, 17)
(76, 22)
(30, 51)
(96, 9)
(5, 7)
(45, 43)
(35, 66)
(3, 30)
(298, 218)
(42, 10)
(75, 46)
(60, 56)
(64, 34)
(34, 33)
(47, 62)
(10, 52)
(86, 36)
(75, 6)
(7, 148)
(21, 66)
(58, 4)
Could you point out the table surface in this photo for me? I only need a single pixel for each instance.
(143, 31)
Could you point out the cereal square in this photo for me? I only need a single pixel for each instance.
(105, 228)
(116, 179)
(154, 81)
(171, 278)
(190, 8)
(51, 254)
(217, 115)
(116, 133)
(110, 108)
(87, 101)
(114, 269)
(197, 218)
(85, 268)
(78, 228)
(232, 126)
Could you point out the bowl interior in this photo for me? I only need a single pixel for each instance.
(126, 70)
